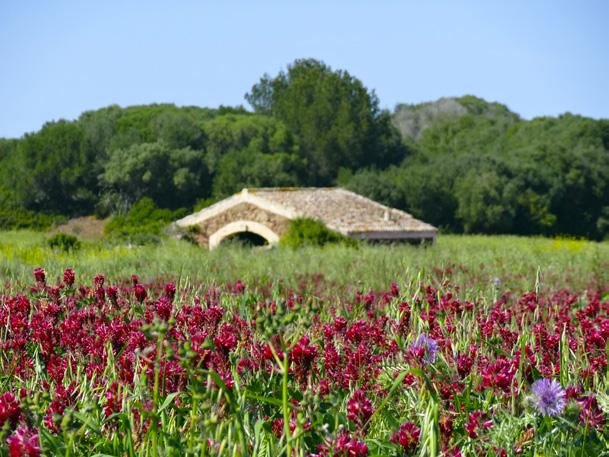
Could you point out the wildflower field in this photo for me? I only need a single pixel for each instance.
(475, 346)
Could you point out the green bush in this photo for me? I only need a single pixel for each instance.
(18, 218)
(143, 224)
(64, 242)
(311, 232)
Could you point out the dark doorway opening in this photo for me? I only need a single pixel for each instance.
(247, 239)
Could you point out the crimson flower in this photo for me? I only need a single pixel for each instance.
(140, 292)
(24, 443)
(69, 277)
(359, 408)
(350, 447)
(591, 415)
(407, 436)
(40, 275)
(9, 409)
(476, 423)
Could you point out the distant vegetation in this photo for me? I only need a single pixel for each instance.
(462, 164)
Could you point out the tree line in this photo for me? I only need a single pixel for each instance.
(463, 164)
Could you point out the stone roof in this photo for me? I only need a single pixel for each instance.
(339, 209)
(342, 210)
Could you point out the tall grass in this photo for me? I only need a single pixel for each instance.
(475, 262)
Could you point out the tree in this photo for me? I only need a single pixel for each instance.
(251, 168)
(179, 130)
(171, 178)
(236, 132)
(484, 204)
(52, 173)
(337, 122)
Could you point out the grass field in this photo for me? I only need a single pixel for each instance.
(474, 262)
(475, 346)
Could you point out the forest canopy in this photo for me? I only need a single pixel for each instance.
(462, 164)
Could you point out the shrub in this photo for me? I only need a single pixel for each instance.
(143, 224)
(311, 232)
(12, 217)
(64, 242)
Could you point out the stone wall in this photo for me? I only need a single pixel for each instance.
(242, 211)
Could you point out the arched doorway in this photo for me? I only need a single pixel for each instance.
(242, 226)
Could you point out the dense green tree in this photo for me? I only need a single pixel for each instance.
(236, 132)
(7, 146)
(171, 178)
(485, 201)
(381, 186)
(179, 130)
(51, 172)
(337, 121)
(250, 168)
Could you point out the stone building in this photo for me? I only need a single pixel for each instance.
(267, 212)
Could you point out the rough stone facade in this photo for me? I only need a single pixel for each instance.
(242, 211)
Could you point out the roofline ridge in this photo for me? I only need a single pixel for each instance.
(233, 200)
(224, 204)
(279, 188)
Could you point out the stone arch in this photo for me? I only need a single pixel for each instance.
(242, 226)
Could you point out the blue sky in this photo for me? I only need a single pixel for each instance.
(59, 58)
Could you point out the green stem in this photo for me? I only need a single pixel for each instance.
(286, 409)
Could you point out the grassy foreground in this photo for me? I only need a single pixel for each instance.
(474, 262)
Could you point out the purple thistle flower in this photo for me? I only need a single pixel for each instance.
(427, 347)
(549, 397)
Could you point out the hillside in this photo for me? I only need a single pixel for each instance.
(413, 120)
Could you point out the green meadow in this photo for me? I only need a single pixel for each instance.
(476, 263)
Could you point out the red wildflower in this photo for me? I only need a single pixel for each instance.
(69, 277)
(591, 415)
(170, 290)
(113, 400)
(9, 409)
(359, 408)
(350, 447)
(407, 436)
(464, 364)
(140, 292)
(227, 338)
(239, 287)
(302, 356)
(163, 308)
(113, 295)
(40, 275)
(477, 424)
(24, 443)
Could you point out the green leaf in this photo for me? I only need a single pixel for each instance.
(168, 400)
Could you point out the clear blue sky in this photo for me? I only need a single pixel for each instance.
(59, 58)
